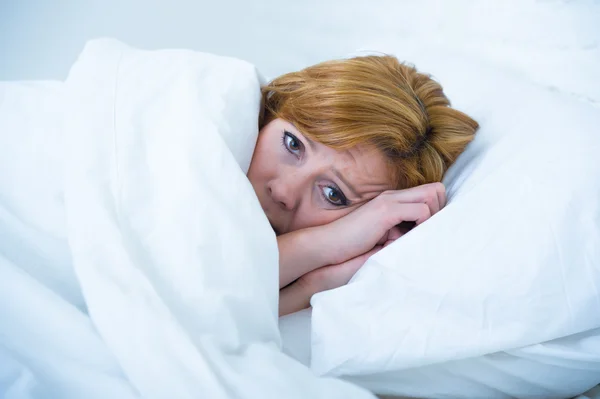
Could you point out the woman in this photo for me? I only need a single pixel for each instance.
(347, 151)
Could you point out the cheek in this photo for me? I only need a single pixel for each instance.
(264, 162)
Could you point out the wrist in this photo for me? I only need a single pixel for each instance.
(311, 284)
(301, 252)
(296, 296)
(318, 247)
(325, 241)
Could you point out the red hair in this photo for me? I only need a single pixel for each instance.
(375, 101)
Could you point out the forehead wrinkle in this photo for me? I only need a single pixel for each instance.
(359, 168)
(369, 191)
(374, 190)
(366, 197)
(346, 182)
(365, 173)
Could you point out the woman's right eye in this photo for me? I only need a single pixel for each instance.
(291, 143)
(334, 196)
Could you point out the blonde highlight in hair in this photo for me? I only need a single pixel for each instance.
(374, 101)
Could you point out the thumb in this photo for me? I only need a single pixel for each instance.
(383, 239)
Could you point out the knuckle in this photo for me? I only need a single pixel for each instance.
(384, 207)
(431, 193)
(380, 199)
(380, 204)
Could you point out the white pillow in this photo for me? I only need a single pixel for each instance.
(557, 369)
(512, 261)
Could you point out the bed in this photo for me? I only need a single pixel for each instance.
(532, 328)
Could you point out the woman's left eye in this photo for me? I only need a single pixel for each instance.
(334, 196)
(291, 143)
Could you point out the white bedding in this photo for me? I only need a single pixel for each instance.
(135, 260)
(553, 45)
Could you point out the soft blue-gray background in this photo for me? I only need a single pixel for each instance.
(555, 43)
(41, 39)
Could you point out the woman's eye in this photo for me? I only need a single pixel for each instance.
(334, 196)
(291, 143)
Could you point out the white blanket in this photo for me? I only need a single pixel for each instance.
(135, 260)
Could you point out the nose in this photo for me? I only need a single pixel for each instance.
(286, 193)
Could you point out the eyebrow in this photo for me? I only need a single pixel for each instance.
(346, 183)
(311, 143)
(336, 172)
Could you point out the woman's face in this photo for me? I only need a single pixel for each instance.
(301, 183)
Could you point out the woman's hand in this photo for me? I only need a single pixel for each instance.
(376, 222)
(348, 242)
(334, 276)
(297, 295)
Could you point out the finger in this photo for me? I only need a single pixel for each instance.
(383, 238)
(417, 213)
(432, 199)
(441, 193)
(394, 233)
(429, 194)
(436, 194)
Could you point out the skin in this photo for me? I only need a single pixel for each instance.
(301, 183)
(331, 209)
